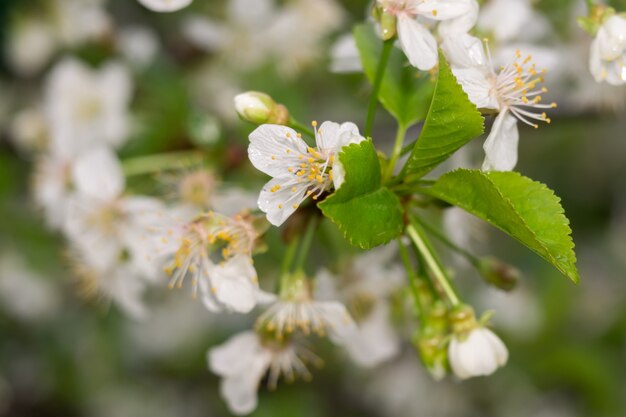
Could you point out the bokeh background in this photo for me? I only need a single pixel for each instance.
(62, 355)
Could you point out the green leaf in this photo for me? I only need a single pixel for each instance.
(367, 214)
(404, 92)
(525, 209)
(452, 121)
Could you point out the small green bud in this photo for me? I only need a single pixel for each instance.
(259, 108)
(387, 26)
(433, 352)
(499, 274)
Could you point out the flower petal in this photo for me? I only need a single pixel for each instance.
(417, 42)
(274, 148)
(98, 174)
(234, 283)
(501, 144)
(285, 198)
(443, 9)
(475, 83)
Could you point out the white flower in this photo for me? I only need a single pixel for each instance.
(165, 5)
(478, 353)
(365, 288)
(138, 44)
(243, 360)
(512, 19)
(297, 311)
(513, 93)
(608, 52)
(119, 283)
(418, 44)
(53, 189)
(86, 108)
(257, 31)
(215, 251)
(80, 21)
(31, 44)
(105, 226)
(345, 56)
(299, 171)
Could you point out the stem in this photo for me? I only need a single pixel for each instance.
(422, 245)
(294, 124)
(419, 308)
(378, 79)
(305, 244)
(149, 164)
(289, 255)
(444, 239)
(395, 153)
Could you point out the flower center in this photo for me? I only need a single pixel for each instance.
(516, 88)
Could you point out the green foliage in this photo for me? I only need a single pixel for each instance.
(452, 121)
(525, 209)
(404, 92)
(367, 213)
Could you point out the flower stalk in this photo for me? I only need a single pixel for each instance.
(380, 73)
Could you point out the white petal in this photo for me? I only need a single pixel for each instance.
(375, 340)
(443, 9)
(233, 356)
(333, 136)
(165, 5)
(477, 86)
(234, 283)
(240, 393)
(281, 203)
(273, 148)
(464, 51)
(461, 24)
(98, 174)
(339, 322)
(481, 353)
(339, 173)
(417, 42)
(498, 347)
(501, 144)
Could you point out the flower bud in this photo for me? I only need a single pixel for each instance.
(387, 22)
(433, 353)
(259, 108)
(474, 350)
(498, 273)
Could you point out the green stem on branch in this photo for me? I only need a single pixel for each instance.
(423, 246)
(290, 253)
(378, 79)
(395, 153)
(413, 279)
(444, 239)
(149, 164)
(305, 245)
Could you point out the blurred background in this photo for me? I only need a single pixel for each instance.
(64, 355)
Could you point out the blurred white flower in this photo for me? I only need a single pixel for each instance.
(31, 44)
(106, 227)
(52, 188)
(608, 52)
(513, 93)
(215, 251)
(511, 20)
(24, 293)
(28, 130)
(79, 21)
(256, 32)
(299, 171)
(86, 108)
(344, 56)
(365, 287)
(165, 5)
(418, 44)
(243, 360)
(477, 353)
(296, 310)
(138, 44)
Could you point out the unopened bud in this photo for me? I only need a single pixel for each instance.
(499, 274)
(259, 108)
(433, 351)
